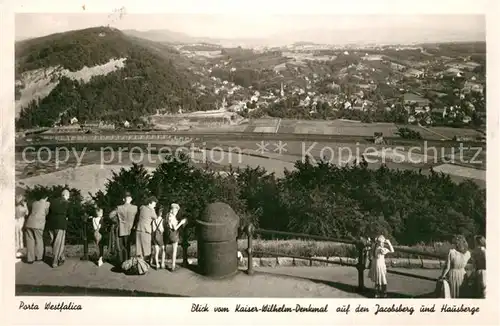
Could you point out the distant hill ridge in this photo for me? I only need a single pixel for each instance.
(152, 77)
(337, 36)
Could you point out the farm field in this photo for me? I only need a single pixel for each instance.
(347, 152)
(461, 171)
(337, 127)
(92, 177)
(337, 149)
(438, 133)
(273, 155)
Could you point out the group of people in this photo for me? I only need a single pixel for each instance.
(461, 283)
(153, 231)
(44, 216)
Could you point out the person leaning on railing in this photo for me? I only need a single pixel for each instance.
(58, 222)
(111, 226)
(97, 223)
(147, 215)
(20, 214)
(35, 224)
(172, 230)
(124, 216)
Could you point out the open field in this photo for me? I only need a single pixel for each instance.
(334, 130)
(273, 155)
(438, 133)
(337, 127)
(461, 171)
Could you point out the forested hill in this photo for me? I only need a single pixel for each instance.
(98, 74)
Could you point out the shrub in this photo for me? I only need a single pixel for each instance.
(322, 199)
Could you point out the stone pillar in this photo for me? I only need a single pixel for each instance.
(217, 232)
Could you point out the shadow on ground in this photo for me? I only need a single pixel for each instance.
(50, 290)
(367, 293)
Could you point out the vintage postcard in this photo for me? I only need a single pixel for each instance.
(267, 162)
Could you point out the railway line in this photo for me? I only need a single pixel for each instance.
(182, 138)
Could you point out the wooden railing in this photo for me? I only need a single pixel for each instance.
(360, 245)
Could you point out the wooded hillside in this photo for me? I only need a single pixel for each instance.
(153, 77)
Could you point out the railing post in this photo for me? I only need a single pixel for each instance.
(249, 231)
(360, 266)
(85, 240)
(185, 246)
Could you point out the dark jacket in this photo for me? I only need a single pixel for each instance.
(58, 214)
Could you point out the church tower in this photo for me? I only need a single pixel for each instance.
(282, 91)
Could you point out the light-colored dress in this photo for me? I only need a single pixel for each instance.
(456, 274)
(378, 270)
(143, 231)
(20, 214)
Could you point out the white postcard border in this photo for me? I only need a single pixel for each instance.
(176, 311)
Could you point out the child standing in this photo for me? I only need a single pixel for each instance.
(157, 240)
(378, 270)
(173, 230)
(96, 227)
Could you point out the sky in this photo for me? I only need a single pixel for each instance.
(234, 25)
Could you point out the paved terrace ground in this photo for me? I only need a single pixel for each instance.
(79, 278)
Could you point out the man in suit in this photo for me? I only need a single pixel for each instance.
(124, 215)
(58, 222)
(34, 229)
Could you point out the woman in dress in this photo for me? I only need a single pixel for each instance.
(96, 228)
(173, 230)
(157, 241)
(454, 271)
(147, 215)
(20, 214)
(479, 263)
(378, 270)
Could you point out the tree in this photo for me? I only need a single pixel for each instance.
(134, 180)
(316, 198)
